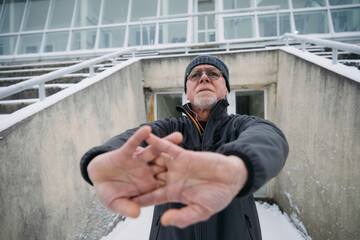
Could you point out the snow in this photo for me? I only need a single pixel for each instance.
(275, 225)
(346, 71)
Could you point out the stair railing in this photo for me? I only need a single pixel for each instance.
(336, 46)
(41, 80)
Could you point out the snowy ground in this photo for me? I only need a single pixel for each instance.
(274, 225)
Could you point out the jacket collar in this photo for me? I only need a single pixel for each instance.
(219, 111)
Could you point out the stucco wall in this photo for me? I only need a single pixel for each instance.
(319, 112)
(42, 195)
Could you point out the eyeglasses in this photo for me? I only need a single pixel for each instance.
(211, 73)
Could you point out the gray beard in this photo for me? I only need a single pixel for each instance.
(205, 103)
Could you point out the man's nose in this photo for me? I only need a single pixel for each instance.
(204, 77)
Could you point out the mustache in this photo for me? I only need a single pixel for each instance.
(200, 88)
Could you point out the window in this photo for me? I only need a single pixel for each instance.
(12, 15)
(171, 7)
(308, 3)
(56, 41)
(268, 24)
(343, 2)
(311, 22)
(239, 27)
(84, 39)
(282, 3)
(61, 13)
(142, 8)
(87, 13)
(174, 32)
(206, 24)
(29, 43)
(346, 20)
(7, 45)
(165, 105)
(112, 37)
(36, 14)
(148, 35)
(235, 4)
(250, 103)
(115, 11)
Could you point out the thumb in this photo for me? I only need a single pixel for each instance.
(185, 216)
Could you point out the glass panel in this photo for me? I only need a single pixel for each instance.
(239, 27)
(308, 3)
(311, 22)
(36, 15)
(11, 18)
(56, 41)
(61, 14)
(83, 39)
(115, 11)
(250, 103)
(210, 22)
(148, 35)
(282, 3)
(268, 25)
(87, 13)
(206, 7)
(201, 37)
(141, 8)
(171, 7)
(172, 32)
(112, 37)
(7, 45)
(346, 20)
(211, 36)
(343, 2)
(166, 105)
(234, 4)
(29, 43)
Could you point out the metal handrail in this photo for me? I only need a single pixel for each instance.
(41, 80)
(336, 46)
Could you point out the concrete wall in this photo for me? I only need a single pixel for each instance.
(319, 112)
(42, 195)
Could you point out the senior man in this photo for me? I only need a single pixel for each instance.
(200, 171)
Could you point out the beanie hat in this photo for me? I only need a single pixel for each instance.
(211, 60)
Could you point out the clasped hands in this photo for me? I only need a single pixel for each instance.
(132, 177)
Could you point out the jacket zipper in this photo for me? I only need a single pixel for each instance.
(158, 226)
(248, 226)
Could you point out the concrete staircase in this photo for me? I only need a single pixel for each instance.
(13, 73)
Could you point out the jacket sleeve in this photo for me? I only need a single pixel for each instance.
(263, 148)
(161, 128)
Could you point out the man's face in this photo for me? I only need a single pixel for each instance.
(205, 93)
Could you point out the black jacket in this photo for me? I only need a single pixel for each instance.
(258, 142)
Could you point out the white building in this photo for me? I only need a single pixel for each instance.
(57, 28)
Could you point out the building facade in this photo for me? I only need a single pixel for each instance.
(33, 28)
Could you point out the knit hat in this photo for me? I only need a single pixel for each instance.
(211, 60)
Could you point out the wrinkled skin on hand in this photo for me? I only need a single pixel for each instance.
(205, 181)
(120, 175)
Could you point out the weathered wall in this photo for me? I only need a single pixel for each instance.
(319, 112)
(42, 195)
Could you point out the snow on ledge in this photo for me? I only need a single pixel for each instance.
(11, 119)
(347, 71)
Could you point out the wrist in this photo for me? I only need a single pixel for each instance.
(240, 173)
